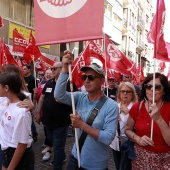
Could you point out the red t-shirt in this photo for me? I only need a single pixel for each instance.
(143, 126)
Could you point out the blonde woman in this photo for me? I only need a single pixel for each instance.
(126, 97)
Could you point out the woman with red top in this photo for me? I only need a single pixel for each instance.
(151, 153)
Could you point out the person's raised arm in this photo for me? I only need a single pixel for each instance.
(66, 60)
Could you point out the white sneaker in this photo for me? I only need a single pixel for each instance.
(47, 156)
(45, 150)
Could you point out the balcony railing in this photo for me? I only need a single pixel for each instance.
(141, 21)
(125, 22)
(140, 45)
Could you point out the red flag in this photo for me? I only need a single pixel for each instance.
(1, 53)
(162, 66)
(20, 63)
(168, 75)
(133, 69)
(115, 59)
(68, 21)
(138, 75)
(1, 22)
(156, 33)
(32, 51)
(43, 63)
(85, 58)
(19, 42)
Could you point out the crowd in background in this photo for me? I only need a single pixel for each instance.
(127, 116)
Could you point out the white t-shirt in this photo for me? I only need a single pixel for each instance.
(123, 119)
(15, 127)
(3, 105)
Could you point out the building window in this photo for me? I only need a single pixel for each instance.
(19, 13)
(5, 8)
(29, 13)
(117, 22)
(108, 10)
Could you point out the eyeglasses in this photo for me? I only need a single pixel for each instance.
(158, 87)
(55, 68)
(126, 91)
(90, 77)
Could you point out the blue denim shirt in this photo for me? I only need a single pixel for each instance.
(94, 154)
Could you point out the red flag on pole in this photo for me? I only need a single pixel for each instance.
(32, 51)
(162, 66)
(1, 53)
(20, 63)
(43, 63)
(68, 21)
(85, 58)
(115, 59)
(1, 22)
(156, 33)
(19, 42)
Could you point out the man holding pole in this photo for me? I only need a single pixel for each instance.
(56, 117)
(96, 116)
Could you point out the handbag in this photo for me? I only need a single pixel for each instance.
(91, 118)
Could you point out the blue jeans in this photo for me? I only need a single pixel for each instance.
(116, 156)
(58, 138)
(33, 127)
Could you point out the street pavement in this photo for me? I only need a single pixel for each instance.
(45, 165)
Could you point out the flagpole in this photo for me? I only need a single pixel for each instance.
(155, 53)
(104, 49)
(73, 108)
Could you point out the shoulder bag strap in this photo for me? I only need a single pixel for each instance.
(91, 118)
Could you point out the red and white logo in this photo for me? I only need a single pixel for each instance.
(61, 8)
(113, 53)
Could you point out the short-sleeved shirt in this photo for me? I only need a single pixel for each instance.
(143, 126)
(55, 114)
(111, 93)
(30, 82)
(15, 127)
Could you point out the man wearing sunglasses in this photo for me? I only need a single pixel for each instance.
(111, 89)
(55, 118)
(94, 153)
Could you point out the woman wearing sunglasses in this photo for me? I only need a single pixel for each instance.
(126, 97)
(151, 152)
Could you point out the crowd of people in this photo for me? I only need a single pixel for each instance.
(104, 117)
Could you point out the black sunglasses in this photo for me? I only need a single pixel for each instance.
(158, 87)
(90, 77)
(126, 91)
(54, 68)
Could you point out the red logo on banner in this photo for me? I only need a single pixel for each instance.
(114, 54)
(61, 8)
